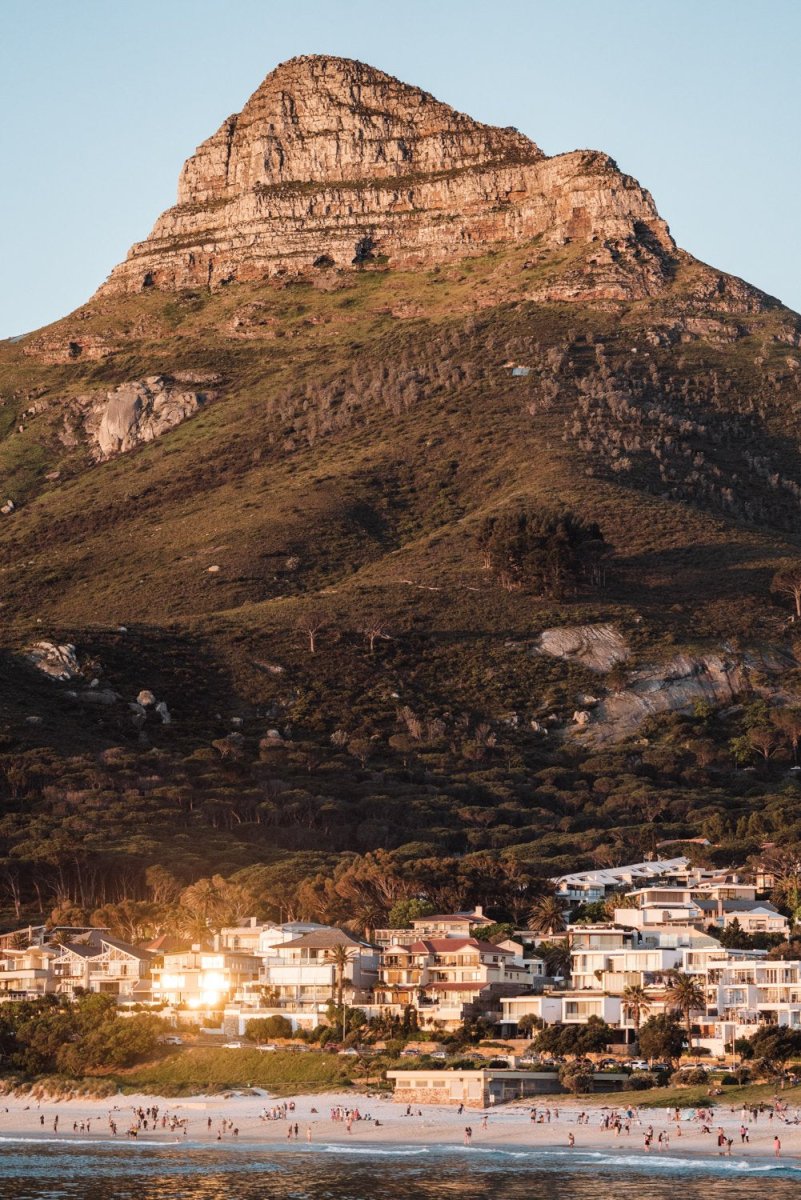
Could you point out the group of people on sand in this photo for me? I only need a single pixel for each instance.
(722, 1126)
(620, 1122)
(543, 1116)
(143, 1120)
(150, 1120)
(278, 1112)
(341, 1114)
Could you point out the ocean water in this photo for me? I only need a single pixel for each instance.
(57, 1169)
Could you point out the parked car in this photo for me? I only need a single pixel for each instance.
(639, 1064)
(266, 1047)
(232, 1045)
(171, 1039)
(350, 1052)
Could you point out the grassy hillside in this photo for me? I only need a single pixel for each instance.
(364, 427)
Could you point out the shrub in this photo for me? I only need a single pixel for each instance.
(690, 1076)
(576, 1076)
(640, 1080)
(264, 1029)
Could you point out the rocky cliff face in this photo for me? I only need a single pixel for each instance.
(333, 162)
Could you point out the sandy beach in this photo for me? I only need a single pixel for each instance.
(236, 1119)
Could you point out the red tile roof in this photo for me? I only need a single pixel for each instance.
(442, 945)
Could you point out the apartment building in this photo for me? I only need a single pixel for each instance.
(259, 937)
(203, 978)
(102, 964)
(718, 904)
(26, 974)
(560, 1008)
(449, 978)
(610, 960)
(304, 971)
(439, 925)
(586, 887)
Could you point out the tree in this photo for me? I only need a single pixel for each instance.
(499, 932)
(589, 1038)
(592, 913)
(551, 552)
(661, 1037)
(784, 864)
(131, 920)
(773, 1043)
(637, 1005)
(403, 912)
(339, 956)
(528, 1023)
(209, 904)
(312, 622)
(264, 1029)
(556, 956)
(763, 739)
(732, 936)
(516, 885)
(686, 995)
(548, 916)
(577, 1076)
(787, 582)
(163, 886)
(788, 722)
(617, 900)
(374, 629)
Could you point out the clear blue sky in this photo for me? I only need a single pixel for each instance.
(102, 100)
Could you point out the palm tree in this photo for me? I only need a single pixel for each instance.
(340, 956)
(637, 1005)
(685, 994)
(547, 916)
(556, 956)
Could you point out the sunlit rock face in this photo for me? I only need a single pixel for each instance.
(331, 162)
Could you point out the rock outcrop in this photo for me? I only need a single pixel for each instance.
(717, 678)
(331, 162)
(134, 413)
(597, 647)
(58, 662)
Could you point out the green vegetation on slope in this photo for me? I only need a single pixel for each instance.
(367, 427)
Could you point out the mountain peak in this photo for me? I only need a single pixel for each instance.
(332, 161)
(331, 120)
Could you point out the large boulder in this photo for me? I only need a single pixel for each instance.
(598, 647)
(59, 662)
(137, 412)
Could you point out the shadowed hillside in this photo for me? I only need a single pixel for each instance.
(205, 479)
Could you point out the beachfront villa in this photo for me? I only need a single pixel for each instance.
(443, 970)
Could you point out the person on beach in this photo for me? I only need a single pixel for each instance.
(777, 1146)
(571, 1139)
(468, 1135)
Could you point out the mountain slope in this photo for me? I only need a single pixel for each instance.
(304, 435)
